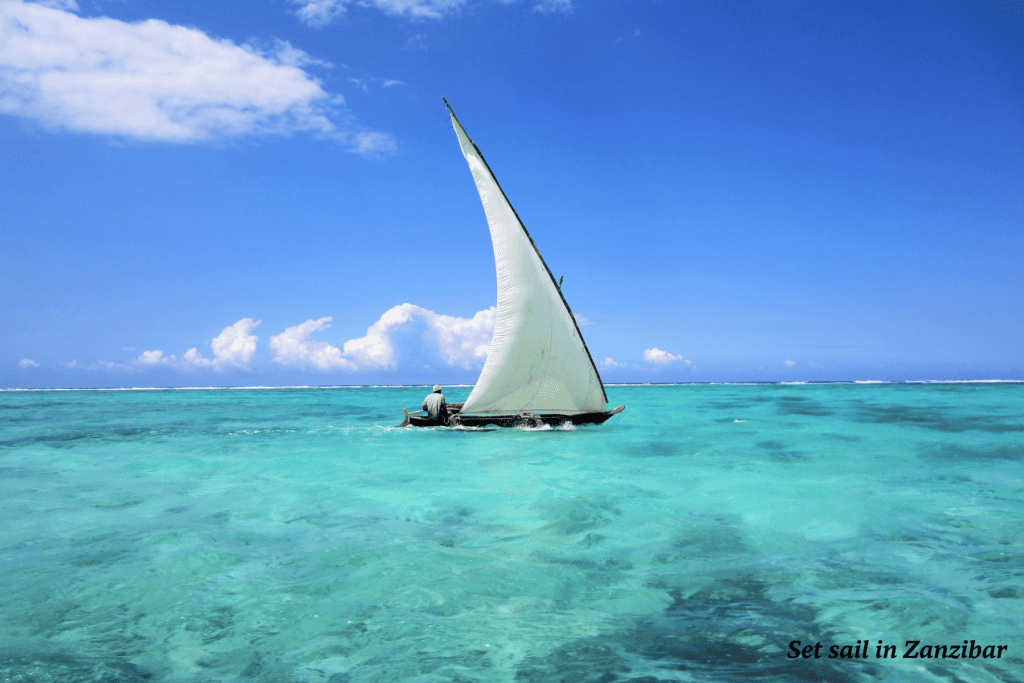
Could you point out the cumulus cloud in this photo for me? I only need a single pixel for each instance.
(610, 362)
(410, 334)
(790, 363)
(656, 355)
(155, 357)
(406, 337)
(294, 347)
(27, 363)
(235, 345)
(234, 348)
(159, 82)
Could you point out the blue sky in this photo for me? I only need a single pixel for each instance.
(271, 192)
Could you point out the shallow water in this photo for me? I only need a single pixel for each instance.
(295, 535)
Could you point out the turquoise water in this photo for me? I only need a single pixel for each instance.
(294, 535)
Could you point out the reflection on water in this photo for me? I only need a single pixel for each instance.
(295, 535)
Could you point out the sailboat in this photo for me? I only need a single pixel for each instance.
(538, 370)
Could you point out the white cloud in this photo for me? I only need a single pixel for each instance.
(235, 345)
(112, 367)
(151, 358)
(158, 82)
(294, 347)
(233, 348)
(610, 362)
(406, 337)
(790, 363)
(193, 357)
(288, 55)
(391, 81)
(554, 7)
(656, 355)
(320, 13)
(370, 143)
(60, 4)
(636, 34)
(410, 335)
(27, 363)
(416, 42)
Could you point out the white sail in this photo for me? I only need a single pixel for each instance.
(538, 362)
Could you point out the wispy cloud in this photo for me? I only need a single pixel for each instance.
(27, 363)
(636, 34)
(156, 81)
(610, 362)
(659, 357)
(416, 42)
(366, 82)
(60, 4)
(320, 13)
(111, 366)
(554, 7)
(285, 53)
(370, 143)
(790, 363)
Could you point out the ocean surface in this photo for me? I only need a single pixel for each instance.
(297, 536)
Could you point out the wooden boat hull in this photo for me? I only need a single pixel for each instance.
(456, 419)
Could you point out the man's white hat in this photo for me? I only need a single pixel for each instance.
(437, 387)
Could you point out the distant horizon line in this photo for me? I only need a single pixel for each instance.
(609, 384)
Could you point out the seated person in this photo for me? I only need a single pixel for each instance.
(435, 404)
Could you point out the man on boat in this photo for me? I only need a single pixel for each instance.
(435, 404)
